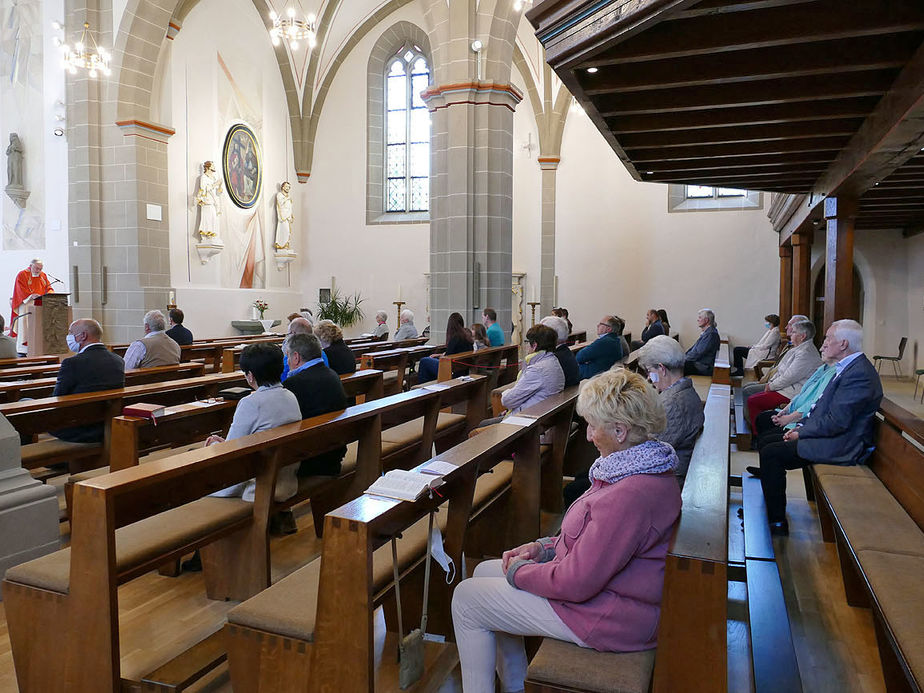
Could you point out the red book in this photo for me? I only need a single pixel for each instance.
(144, 411)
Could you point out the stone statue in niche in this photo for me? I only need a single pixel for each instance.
(284, 217)
(209, 201)
(14, 160)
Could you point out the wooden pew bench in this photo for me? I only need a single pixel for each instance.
(314, 629)
(692, 630)
(393, 363)
(577, 337)
(19, 362)
(875, 515)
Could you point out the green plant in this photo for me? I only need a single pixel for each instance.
(345, 311)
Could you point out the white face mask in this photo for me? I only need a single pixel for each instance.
(653, 376)
(439, 554)
(72, 343)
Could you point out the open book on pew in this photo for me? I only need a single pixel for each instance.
(403, 485)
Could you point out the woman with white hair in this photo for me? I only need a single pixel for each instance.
(663, 359)
(700, 358)
(406, 329)
(598, 583)
(381, 325)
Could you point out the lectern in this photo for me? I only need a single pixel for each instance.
(46, 328)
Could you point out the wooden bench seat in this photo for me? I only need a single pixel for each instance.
(562, 666)
(48, 451)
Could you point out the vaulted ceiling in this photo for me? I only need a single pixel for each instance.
(813, 97)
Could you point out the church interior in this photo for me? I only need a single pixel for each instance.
(242, 167)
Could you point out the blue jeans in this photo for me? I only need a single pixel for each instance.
(427, 369)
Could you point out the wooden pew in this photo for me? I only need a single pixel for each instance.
(231, 354)
(721, 370)
(499, 364)
(19, 362)
(393, 363)
(875, 515)
(577, 337)
(281, 640)
(361, 348)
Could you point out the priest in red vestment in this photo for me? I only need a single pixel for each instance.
(30, 282)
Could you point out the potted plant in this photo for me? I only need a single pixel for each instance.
(261, 307)
(345, 311)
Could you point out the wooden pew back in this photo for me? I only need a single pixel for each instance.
(29, 361)
(897, 462)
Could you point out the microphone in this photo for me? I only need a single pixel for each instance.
(56, 280)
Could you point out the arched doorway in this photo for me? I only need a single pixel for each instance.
(818, 305)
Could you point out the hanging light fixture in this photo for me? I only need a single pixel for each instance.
(522, 4)
(85, 54)
(292, 29)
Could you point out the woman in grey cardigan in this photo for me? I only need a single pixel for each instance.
(663, 358)
(542, 376)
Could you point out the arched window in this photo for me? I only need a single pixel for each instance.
(407, 133)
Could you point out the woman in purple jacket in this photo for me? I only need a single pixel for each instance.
(598, 583)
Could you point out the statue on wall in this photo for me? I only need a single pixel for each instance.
(14, 159)
(284, 217)
(209, 201)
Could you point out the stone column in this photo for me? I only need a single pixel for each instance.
(549, 167)
(471, 201)
(28, 508)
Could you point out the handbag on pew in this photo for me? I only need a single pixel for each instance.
(411, 648)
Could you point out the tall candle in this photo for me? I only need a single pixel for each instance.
(399, 292)
(534, 293)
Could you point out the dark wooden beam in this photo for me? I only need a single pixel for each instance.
(802, 273)
(840, 215)
(785, 284)
(712, 7)
(809, 88)
(859, 107)
(666, 176)
(818, 144)
(782, 161)
(844, 127)
(778, 26)
(913, 231)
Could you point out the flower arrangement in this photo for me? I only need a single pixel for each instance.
(261, 306)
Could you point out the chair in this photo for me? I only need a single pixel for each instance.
(919, 372)
(894, 359)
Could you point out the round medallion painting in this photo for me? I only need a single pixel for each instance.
(242, 165)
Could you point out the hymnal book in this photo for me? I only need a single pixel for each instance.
(234, 393)
(403, 485)
(438, 468)
(144, 411)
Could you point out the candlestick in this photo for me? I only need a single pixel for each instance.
(532, 306)
(398, 305)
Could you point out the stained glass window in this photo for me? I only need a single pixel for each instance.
(407, 133)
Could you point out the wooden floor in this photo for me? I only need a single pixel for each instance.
(835, 643)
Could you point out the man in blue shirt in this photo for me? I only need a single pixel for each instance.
(605, 350)
(298, 326)
(495, 333)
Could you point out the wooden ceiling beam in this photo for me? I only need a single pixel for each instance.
(639, 156)
(743, 115)
(653, 175)
(822, 58)
(844, 127)
(821, 159)
(825, 20)
(769, 92)
(713, 7)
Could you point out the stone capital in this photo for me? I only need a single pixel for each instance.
(149, 131)
(549, 163)
(441, 96)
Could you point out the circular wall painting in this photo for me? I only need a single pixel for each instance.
(243, 166)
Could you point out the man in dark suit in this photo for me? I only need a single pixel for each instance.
(839, 428)
(92, 369)
(177, 332)
(318, 391)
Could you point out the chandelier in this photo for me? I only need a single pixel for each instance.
(292, 29)
(85, 54)
(522, 4)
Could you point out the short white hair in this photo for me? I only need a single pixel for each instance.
(560, 325)
(664, 350)
(155, 321)
(407, 315)
(381, 315)
(850, 331)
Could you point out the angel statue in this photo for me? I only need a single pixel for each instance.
(210, 203)
(284, 217)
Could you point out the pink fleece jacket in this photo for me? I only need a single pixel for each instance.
(606, 578)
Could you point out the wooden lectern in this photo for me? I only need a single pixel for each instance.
(46, 329)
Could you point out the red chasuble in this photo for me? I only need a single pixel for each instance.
(26, 285)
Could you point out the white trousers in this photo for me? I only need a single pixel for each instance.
(490, 619)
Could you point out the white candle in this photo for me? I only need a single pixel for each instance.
(534, 294)
(399, 292)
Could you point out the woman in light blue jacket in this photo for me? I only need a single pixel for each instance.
(542, 376)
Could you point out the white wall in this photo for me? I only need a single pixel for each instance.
(32, 84)
(204, 103)
(618, 250)
(372, 259)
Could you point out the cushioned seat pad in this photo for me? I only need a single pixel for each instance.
(49, 449)
(412, 431)
(860, 471)
(896, 582)
(584, 669)
(141, 541)
(491, 483)
(289, 608)
(871, 517)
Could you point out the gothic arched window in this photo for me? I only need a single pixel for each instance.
(407, 133)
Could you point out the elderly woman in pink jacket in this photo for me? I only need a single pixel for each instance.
(598, 583)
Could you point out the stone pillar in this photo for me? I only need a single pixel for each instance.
(471, 201)
(840, 214)
(785, 284)
(802, 273)
(28, 508)
(549, 167)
